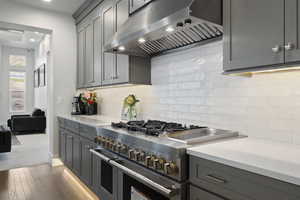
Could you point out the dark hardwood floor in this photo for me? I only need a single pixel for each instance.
(41, 182)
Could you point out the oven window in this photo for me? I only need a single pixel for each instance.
(107, 176)
(129, 182)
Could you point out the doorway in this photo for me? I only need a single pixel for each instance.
(24, 64)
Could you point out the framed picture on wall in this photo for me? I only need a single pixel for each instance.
(42, 72)
(36, 78)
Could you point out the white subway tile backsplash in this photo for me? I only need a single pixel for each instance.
(188, 87)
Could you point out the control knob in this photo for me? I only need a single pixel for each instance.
(131, 154)
(170, 168)
(149, 161)
(137, 155)
(159, 163)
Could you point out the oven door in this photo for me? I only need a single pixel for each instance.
(104, 180)
(138, 183)
(135, 182)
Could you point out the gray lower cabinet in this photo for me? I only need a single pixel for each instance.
(261, 34)
(62, 144)
(76, 155)
(235, 184)
(86, 161)
(199, 194)
(69, 149)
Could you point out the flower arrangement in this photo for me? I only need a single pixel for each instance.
(129, 110)
(89, 99)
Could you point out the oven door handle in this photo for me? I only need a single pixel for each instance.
(163, 190)
(103, 157)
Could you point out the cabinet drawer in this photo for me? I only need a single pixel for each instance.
(199, 194)
(88, 132)
(218, 178)
(71, 126)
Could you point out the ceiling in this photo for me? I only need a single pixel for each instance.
(65, 6)
(22, 39)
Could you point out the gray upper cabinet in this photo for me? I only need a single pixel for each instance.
(121, 72)
(95, 66)
(253, 33)
(137, 4)
(292, 31)
(261, 34)
(97, 22)
(80, 58)
(89, 56)
(108, 32)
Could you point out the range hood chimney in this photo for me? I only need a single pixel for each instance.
(165, 25)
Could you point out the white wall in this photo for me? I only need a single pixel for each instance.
(40, 93)
(62, 76)
(189, 87)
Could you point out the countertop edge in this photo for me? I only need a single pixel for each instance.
(247, 167)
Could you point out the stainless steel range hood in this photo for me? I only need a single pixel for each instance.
(168, 24)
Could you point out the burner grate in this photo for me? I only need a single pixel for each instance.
(154, 127)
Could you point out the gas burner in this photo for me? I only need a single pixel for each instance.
(154, 127)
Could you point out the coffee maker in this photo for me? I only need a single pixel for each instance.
(76, 108)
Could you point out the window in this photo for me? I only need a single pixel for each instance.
(17, 85)
(17, 61)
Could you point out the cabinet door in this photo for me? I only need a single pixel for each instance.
(121, 70)
(69, 150)
(198, 194)
(89, 55)
(292, 30)
(97, 50)
(62, 145)
(136, 4)
(108, 31)
(253, 33)
(81, 58)
(86, 162)
(76, 155)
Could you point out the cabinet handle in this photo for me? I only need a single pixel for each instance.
(276, 49)
(289, 46)
(215, 179)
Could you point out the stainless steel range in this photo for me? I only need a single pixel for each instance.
(154, 152)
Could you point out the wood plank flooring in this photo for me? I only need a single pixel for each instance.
(41, 182)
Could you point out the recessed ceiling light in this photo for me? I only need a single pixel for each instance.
(121, 48)
(170, 29)
(37, 32)
(142, 40)
(32, 40)
(47, 0)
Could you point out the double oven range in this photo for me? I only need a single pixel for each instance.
(139, 161)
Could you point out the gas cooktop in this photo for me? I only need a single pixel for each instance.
(154, 127)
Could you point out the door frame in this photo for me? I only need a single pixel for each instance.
(50, 115)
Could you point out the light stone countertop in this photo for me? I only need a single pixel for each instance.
(91, 120)
(273, 159)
